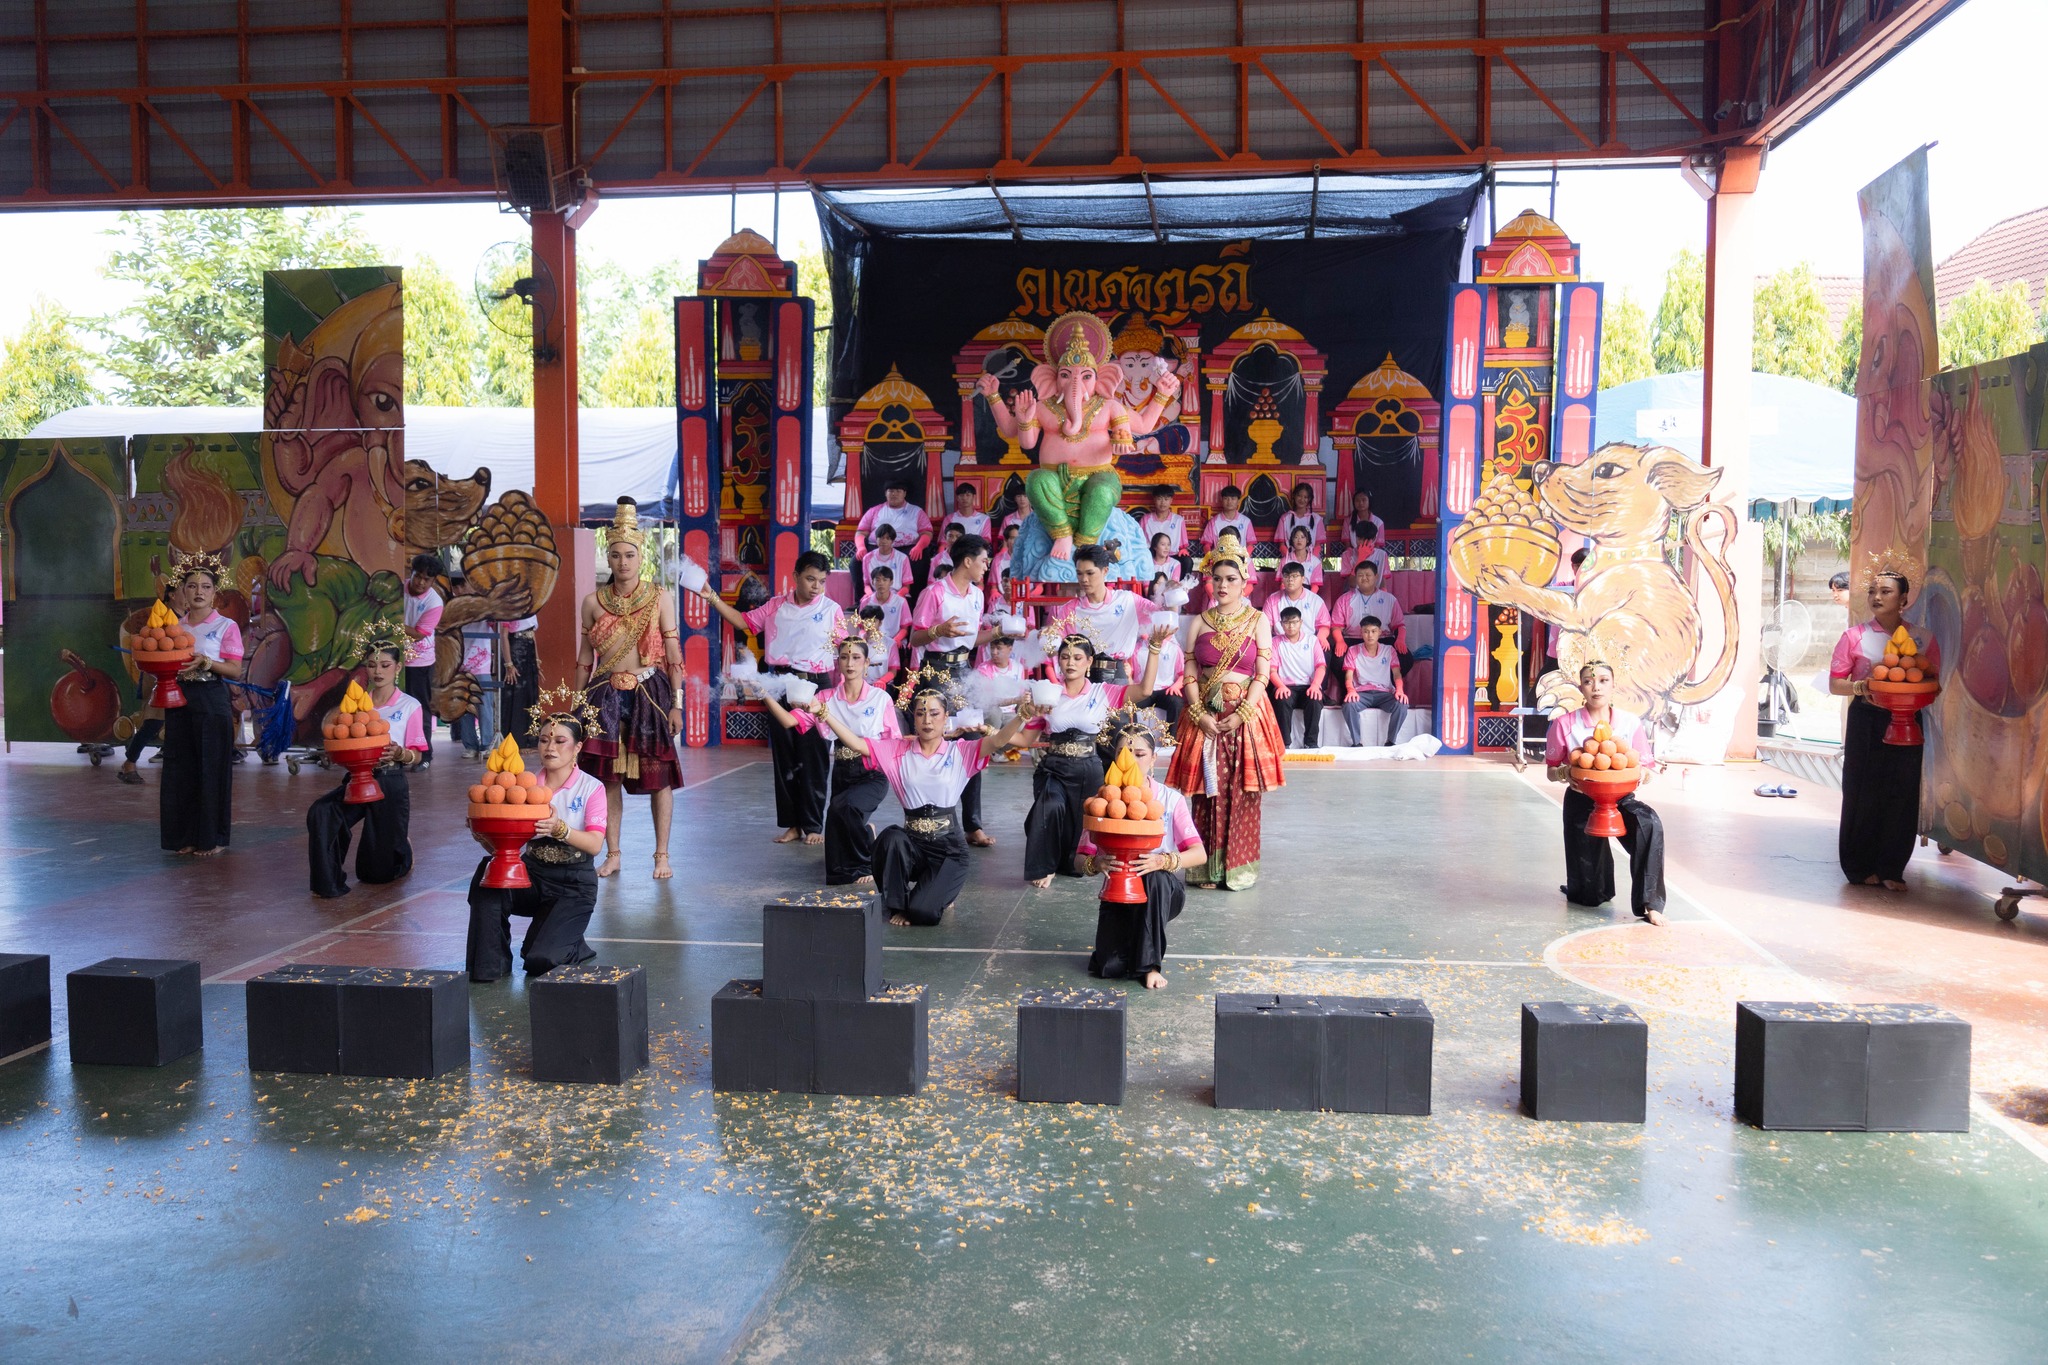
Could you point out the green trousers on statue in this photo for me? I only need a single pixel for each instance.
(1074, 500)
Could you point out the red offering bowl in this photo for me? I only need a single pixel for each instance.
(359, 756)
(1128, 841)
(164, 668)
(1606, 787)
(508, 828)
(1905, 700)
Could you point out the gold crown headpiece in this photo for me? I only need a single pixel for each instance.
(1081, 338)
(1891, 562)
(1126, 721)
(626, 524)
(211, 565)
(852, 625)
(1223, 555)
(563, 702)
(1139, 335)
(1067, 629)
(379, 633)
(930, 678)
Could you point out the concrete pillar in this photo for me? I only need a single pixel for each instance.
(1730, 345)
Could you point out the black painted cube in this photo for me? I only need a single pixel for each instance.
(404, 1023)
(295, 1018)
(133, 1011)
(876, 1046)
(24, 1003)
(1378, 1053)
(589, 1024)
(1269, 1052)
(1584, 1063)
(1070, 1046)
(822, 945)
(1851, 1068)
(758, 1043)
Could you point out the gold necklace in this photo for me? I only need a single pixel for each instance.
(643, 593)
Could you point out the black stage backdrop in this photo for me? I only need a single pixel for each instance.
(915, 304)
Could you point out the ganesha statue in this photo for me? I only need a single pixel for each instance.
(1072, 421)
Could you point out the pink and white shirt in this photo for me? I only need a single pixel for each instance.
(580, 803)
(1311, 568)
(895, 620)
(1086, 710)
(913, 528)
(1170, 567)
(1181, 833)
(896, 562)
(1315, 613)
(1572, 729)
(1173, 665)
(422, 618)
(1378, 556)
(220, 639)
(407, 720)
(796, 635)
(970, 523)
(1862, 648)
(918, 779)
(1318, 533)
(1370, 672)
(1236, 521)
(938, 602)
(1173, 524)
(1295, 661)
(872, 715)
(1353, 607)
(1003, 683)
(1115, 624)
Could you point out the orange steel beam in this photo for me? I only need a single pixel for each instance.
(557, 489)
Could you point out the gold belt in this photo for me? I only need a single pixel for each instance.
(1079, 748)
(555, 851)
(928, 824)
(840, 751)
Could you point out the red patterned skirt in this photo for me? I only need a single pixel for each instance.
(1225, 778)
(633, 744)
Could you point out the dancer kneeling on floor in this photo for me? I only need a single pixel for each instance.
(921, 864)
(1588, 862)
(1130, 940)
(1069, 759)
(857, 788)
(384, 853)
(558, 859)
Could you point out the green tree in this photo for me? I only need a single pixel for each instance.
(642, 370)
(611, 306)
(1849, 349)
(814, 281)
(194, 334)
(1625, 343)
(1679, 342)
(443, 341)
(43, 371)
(1987, 324)
(1792, 335)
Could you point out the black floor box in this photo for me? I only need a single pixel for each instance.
(1070, 1046)
(133, 1011)
(822, 945)
(1356, 1054)
(1584, 1063)
(589, 1023)
(24, 1003)
(294, 1018)
(1851, 1068)
(877, 1046)
(405, 1023)
(758, 1043)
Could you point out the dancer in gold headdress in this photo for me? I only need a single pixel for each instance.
(199, 737)
(632, 664)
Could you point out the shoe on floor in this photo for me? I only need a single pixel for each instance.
(128, 775)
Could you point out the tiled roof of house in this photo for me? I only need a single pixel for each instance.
(2016, 249)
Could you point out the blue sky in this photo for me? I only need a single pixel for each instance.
(1966, 86)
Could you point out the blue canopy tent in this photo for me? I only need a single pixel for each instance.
(1802, 435)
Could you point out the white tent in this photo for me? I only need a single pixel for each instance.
(625, 451)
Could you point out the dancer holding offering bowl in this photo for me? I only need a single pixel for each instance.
(1880, 781)
(562, 885)
(196, 794)
(921, 864)
(1068, 720)
(1598, 743)
(385, 852)
(1130, 938)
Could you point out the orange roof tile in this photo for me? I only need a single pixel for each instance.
(2016, 249)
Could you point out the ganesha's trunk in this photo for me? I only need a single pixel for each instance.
(1076, 417)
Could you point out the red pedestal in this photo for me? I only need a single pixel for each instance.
(164, 668)
(1128, 841)
(359, 757)
(508, 828)
(1606, 788)
(1905, 701)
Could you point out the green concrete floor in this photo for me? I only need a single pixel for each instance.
(201, 1213)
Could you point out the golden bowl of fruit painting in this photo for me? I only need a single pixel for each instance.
(1507, 529)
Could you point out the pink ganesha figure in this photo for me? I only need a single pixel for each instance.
(334, 412)
(1076, 486)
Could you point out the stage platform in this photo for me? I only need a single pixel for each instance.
(198, 1212)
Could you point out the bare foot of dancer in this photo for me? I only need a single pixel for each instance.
(900, 921)
(789, 836)
(981, 838)
(863, 881)
(662, 871)
(216, 852)
(1654, 917)
(1040, 882)
(1155, 981)
(814, 838)
(1891, 885)
(1872, 880)
(610, 866)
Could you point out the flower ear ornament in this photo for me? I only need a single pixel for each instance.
(564, 702)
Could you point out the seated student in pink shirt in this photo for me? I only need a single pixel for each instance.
(1164, 561)
(942, 561)
(1365, 547)
(967, 513)
(1293, 592)
(1020, 508)
(1163, 520)
(893, 609)
(913, 528)
(999, 567)
(1372, 676)
(1297, 680)
(1301, 514)
(885, 555)
(1228, 516)
(1368, 598)
(1300, 550)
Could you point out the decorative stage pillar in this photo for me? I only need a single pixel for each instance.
(699, 474)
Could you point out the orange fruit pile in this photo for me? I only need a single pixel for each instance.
(1125, 794)
(356, 717)
(1902, 662)
(509, 784)
(164, 634)
(1602, 753)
